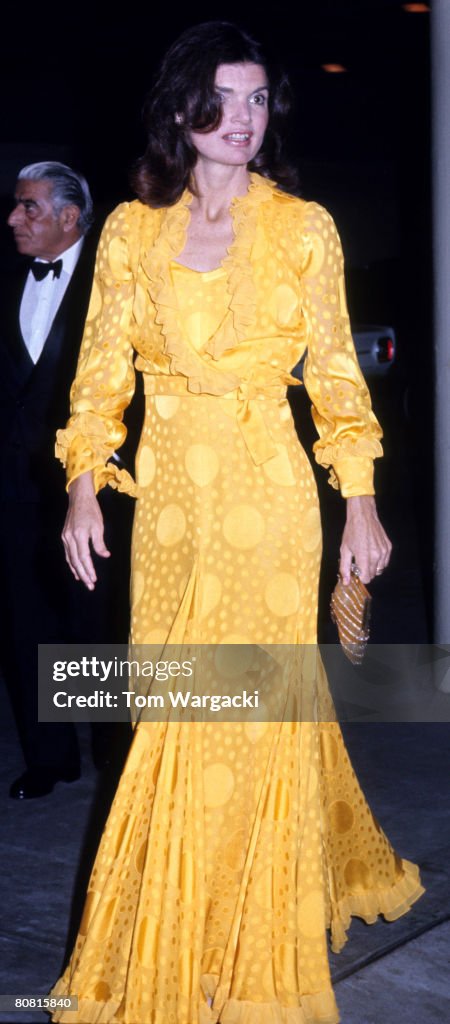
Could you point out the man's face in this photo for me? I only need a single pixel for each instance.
(38, 230)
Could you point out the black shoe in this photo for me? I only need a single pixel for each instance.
(39, 781)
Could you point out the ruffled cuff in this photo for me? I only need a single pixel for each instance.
(117, 478)
(76, 455)
(86, 445)
(350, 463)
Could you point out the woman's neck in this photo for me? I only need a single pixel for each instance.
(216, 186)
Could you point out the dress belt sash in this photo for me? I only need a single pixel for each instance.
(249, 398)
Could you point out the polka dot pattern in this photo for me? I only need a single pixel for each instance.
(167, 406)
(202, 464)
(171, 525)
(282, 594)
(243, 527)
(213, 875)
(218, 785)
(145, 466)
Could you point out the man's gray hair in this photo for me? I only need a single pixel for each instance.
(68, 188)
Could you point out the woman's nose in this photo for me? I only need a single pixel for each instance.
(241, 113)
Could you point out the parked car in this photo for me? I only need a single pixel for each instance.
(375, 347)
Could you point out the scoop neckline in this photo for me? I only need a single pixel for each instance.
(202, 273)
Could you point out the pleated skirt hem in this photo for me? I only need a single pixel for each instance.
(314, 1008)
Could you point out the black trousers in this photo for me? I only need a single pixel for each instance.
(41, 602)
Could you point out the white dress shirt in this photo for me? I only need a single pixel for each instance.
(41, 301)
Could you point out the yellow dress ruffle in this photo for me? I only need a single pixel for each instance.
(232, 846)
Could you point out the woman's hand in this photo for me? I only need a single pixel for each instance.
(364, 540)
(83, 526)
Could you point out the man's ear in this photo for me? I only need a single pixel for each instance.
(70, 215)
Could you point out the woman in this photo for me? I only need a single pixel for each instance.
(229, 847)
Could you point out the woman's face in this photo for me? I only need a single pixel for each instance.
(244, 95)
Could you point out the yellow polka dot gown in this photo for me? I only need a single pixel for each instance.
(230, 847)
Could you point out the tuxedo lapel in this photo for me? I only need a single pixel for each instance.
(59, 355)
(17, 362)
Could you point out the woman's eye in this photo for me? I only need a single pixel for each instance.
(259, 99)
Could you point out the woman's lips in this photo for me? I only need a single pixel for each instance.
(238, 138)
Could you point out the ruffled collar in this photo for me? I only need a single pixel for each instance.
(240, 286)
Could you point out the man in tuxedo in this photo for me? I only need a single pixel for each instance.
(39, 343)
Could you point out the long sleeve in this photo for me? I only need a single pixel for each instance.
(104, 382)
(348, 430)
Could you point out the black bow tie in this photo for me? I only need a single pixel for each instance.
(40, 270)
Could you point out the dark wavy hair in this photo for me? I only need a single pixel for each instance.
(183, 99)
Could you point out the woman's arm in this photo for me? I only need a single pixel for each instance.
(83, 527)
(102, 389)
(348, 430)
(104, 382)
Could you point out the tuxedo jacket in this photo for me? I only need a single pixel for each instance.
(34, 398)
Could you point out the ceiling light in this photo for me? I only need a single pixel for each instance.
(416, 8)
(334, 69)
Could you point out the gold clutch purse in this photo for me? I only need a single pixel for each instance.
(350, 608)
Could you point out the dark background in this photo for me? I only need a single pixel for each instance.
(73, 80)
